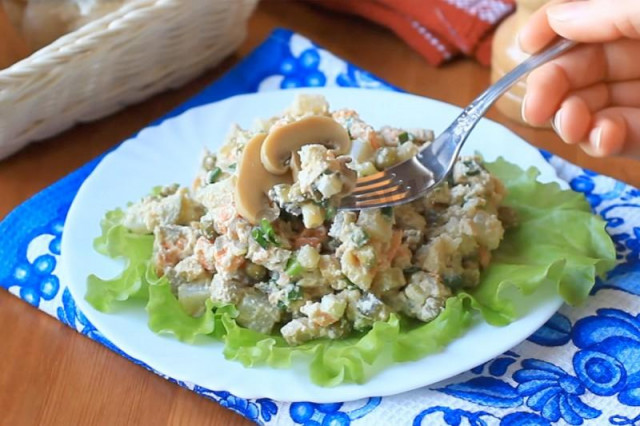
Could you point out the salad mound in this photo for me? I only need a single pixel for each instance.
(257, 253)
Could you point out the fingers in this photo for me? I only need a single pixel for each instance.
(537, 33)
(595, 20)
(608, 132)
(601, 95)
(614, 132)
(584, 66)
(546, 87)
(584, 21)
(572, 122)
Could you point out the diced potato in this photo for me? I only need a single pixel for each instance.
(377, 225)
(329, 185)
(308, 257)
(406, 151)
(388, 280)
(311, 215)
(300, 330)
(426, 296)
(358, 265)
(305, 104)
(329, 310)
(190, 269)
(439, 254)
(178, 208)
(489, 229)
(366, 169)
(226, 290)
(311, 279)
(408, 218)
(340, 226)
(329, 268)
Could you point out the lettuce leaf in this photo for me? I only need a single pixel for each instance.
(118, 243)
(558, 242)
(558, 245)
(167, 316)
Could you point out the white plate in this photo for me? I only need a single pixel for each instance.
(170, 152)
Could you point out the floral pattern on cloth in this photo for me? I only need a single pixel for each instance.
(581, 367)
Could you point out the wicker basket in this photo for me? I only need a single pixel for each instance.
(144, 48)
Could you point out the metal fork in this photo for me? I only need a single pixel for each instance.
(415, 177)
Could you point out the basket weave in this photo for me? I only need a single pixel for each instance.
(143, 48)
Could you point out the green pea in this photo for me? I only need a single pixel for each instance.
(385, 158)
(255, 272)
(208, 230)
(331, 213)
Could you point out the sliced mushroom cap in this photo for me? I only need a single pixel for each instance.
(316, 129)
(254, 181)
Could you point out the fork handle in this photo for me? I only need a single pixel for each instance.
(487, 98)
(461, 127)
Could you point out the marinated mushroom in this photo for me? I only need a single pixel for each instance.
(254, 181)
(282, 142)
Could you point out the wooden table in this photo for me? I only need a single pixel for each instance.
(52, 375)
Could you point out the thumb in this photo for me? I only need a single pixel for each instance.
(596, 20)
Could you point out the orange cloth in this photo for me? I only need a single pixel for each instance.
(437, 29)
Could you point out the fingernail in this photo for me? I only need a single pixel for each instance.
(556, 123)
(568, 11)
(595, 137)
(522, 108)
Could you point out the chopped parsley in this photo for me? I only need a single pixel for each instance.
(330, 213)
(403, 137)
(350, 284)
(213, 175)
(473, 169)
(294, 294)
(264, 235)
(294, 268)
(387, 211)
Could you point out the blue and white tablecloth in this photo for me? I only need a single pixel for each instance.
(582, 367)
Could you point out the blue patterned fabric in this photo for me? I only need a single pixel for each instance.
(581, 367)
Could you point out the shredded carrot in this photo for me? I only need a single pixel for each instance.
(200, 251)
(373, 140)
(394, 245)
(312, 237)
(231, 265)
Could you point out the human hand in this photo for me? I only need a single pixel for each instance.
(592, 93)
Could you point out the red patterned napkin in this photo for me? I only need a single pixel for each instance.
(437, 29)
